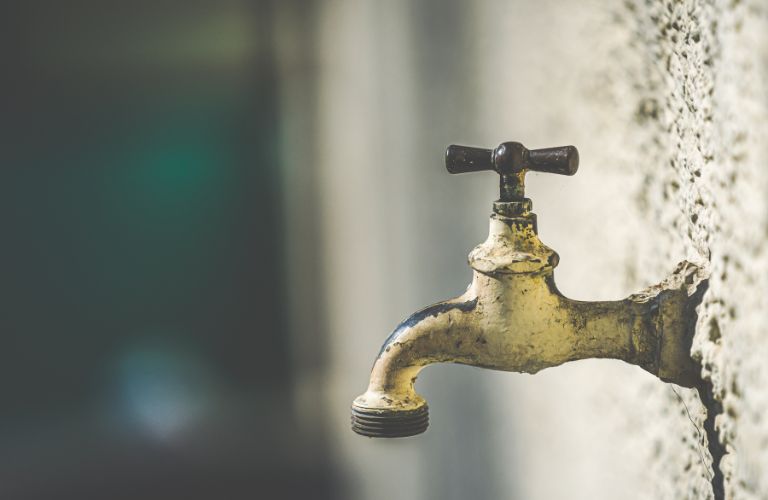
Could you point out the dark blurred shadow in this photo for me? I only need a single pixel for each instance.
(145, 352)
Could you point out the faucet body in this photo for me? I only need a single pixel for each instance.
(513, 318)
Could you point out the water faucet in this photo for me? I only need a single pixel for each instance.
(512, 316)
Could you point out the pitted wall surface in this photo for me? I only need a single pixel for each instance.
(706, 183)
(667, 101)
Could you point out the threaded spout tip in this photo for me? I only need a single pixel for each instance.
(383, 423)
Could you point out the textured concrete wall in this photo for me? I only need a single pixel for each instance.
(667, 102)
(707, 85)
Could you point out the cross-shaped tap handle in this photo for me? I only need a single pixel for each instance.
(511, 160)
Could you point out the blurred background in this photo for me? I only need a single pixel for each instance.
(215, 212)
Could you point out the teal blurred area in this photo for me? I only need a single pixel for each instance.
(145, 345)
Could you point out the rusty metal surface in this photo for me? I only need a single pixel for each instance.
(513, 318)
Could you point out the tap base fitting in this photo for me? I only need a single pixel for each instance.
(383, 423)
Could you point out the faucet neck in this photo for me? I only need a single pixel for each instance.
(513, 245)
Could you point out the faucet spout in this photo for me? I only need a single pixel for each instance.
(513, 318)
(439, 333)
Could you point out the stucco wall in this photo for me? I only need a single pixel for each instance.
(671, 101)
(667, 104)
(707, 74)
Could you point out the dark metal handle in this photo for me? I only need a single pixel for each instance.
(463, 159)
(510, 158)
(563, 160)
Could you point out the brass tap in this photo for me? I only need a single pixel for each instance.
(513, 318)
